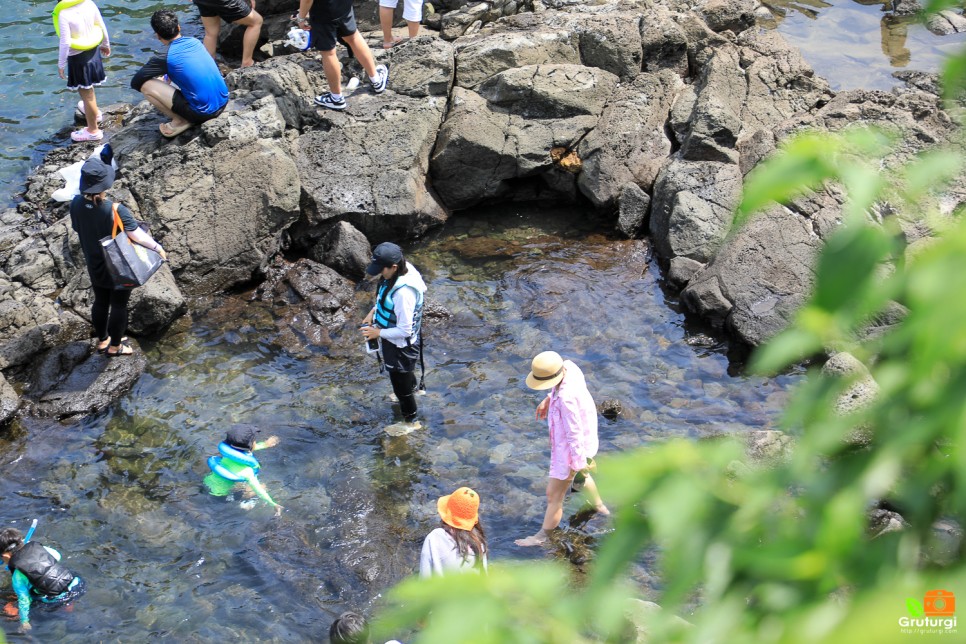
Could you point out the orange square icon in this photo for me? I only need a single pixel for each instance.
(939, 603)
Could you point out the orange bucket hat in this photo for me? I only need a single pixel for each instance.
(461, 509)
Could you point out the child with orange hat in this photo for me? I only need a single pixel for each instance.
(459, 542)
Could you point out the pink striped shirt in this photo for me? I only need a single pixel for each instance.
(77, 21)
(572, 417)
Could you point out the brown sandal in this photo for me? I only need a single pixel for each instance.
(122, 350)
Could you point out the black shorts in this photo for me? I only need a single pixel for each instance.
(179, 105)
(326, 33)
(400, 360)
(227, 10)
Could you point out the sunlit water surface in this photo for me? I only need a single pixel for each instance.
(858, 44)
(120, 494)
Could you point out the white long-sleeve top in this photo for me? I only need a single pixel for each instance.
(404, 306)
(76, 21)
(441, 555)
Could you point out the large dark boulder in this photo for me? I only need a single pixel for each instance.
(693, 206)
(480, 57)
(344, 249)
(31, 323)
(368, 166)
(505, 131)
(220, 196)
(629, 144)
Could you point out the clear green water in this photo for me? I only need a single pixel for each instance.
(120, 493)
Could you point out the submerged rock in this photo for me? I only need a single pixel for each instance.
(308, 301)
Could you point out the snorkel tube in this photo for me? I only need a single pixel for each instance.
(30, 532)
(88, 41)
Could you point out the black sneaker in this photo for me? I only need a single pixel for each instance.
(382, 79)
(326, 100)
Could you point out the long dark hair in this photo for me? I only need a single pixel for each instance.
(401, 269)
(97, 198)
(468, 540)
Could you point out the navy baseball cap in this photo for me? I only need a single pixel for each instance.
(385, 255)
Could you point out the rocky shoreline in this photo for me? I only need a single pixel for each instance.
(649, 111)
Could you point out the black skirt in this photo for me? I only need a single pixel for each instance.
(85, 70)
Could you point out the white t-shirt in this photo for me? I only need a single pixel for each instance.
(441, 555)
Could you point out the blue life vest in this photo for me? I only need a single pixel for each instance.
(385, 317)
(237, 456)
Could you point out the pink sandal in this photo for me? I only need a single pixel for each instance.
(84, 135)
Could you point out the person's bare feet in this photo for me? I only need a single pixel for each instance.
(602, 509)
(535, 540)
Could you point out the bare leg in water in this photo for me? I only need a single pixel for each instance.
(556, 494)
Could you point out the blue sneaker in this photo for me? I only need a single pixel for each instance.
(326, 100)
(382, 79)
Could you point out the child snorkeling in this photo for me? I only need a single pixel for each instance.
(236, 466)
(36, 574)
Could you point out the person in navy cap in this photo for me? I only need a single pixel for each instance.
(395, 321)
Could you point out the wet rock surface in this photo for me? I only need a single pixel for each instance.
(308, 300)
(9, 401)
(73, 379)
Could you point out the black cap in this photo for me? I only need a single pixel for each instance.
(96, 176)
(385, 255)
(241, 437)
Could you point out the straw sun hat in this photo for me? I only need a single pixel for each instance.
(461, 509)
(546, 370)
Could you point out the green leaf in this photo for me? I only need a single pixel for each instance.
(935, 6)
(930, 171)
(788, 347)
(954, 76)
(800, 165)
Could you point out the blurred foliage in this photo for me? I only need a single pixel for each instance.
(783, 553)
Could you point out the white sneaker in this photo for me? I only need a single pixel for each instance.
(403, 428)
(382, 79)
(327, 100)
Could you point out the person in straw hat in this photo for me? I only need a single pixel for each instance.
(572, 415)
(459, 543)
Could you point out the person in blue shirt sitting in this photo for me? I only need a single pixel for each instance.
(201, 93)
(36, 574)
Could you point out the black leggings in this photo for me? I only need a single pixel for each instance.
(401, 365)
(109, 313)
(404, 386)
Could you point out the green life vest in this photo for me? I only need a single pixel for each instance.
(82, 43)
